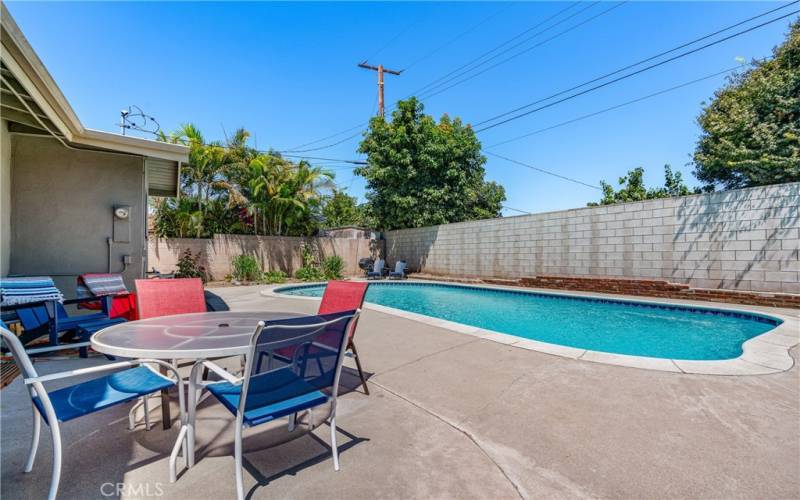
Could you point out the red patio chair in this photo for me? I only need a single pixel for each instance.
(165, 297)
(342, 296)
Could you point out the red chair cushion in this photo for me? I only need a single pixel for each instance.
(165, 297)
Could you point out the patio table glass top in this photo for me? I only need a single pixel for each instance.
(184, 336)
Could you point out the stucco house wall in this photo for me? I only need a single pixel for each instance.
(62, 211)
(60, 181)
(5, 197)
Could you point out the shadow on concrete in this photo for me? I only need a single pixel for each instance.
(324, 456)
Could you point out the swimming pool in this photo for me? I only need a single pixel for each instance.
(605, 325)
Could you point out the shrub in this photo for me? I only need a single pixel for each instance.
(189, 266)
(277, 276)
(332, 267)
(309, 273)
(245, 268)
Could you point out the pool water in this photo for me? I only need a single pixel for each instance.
(615, 326)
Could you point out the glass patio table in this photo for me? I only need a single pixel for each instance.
(183, 337)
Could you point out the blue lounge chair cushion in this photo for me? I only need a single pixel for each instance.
(90, 327)
(270, 396)
(94, 395)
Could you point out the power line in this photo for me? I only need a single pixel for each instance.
(397, 36)
(303, 157)
(574, 87)
(458, 37)
(498, 47)
(523, 164)
(612, 108)
(434, 84)
(629, 75)
(514, 56)
(648, 59)
(326, 146)
(361, 125)
(517, 210)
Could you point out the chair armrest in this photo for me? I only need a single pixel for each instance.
(105, 300)
(59, 347)
(80, 371)
(222, 372)
(100, 369)
(26, 305)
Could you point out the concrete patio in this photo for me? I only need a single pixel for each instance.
(450, 416)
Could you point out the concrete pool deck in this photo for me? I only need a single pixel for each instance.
(451, 416)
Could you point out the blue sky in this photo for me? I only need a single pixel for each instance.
(287, 72)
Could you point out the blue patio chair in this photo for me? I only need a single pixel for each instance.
(378, 270)
(71, 402)
(293, 366)
(399, 272)
(51, 318)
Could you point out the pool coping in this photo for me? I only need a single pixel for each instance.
(761, 355)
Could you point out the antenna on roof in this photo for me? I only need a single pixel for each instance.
(134, 118)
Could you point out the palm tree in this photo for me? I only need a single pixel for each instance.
(279, 195)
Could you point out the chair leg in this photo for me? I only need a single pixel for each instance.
(37, 430)
(352, 347)
(55, 432)
(173, 457)
(334, 447)
(146, 413)
(292, 422)
(238, 460)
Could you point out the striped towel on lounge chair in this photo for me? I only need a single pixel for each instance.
(15, 291)
(100, 285)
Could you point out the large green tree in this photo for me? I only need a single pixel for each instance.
(341, 209)
(632, 188)
(420, 172)
(751, 130)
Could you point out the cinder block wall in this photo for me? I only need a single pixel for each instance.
(272, 252)
(743, 239)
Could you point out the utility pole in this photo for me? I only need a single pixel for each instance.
(381, 70)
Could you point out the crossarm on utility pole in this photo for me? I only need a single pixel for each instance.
(381, 70)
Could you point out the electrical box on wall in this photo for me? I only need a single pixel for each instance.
(122, 224)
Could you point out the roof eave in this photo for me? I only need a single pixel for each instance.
(33, 75)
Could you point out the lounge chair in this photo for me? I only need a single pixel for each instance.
(83, 398)
(165, 297)
(39, 307)
(275, 386)
(378, 270)
(341, 296)
(123, 302)
(399, 272)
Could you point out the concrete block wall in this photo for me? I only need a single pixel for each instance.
(272, 252)
(744, 239)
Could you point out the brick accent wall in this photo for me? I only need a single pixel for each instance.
(642, 288)
(747, 239)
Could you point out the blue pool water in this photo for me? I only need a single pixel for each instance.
(616, 326)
